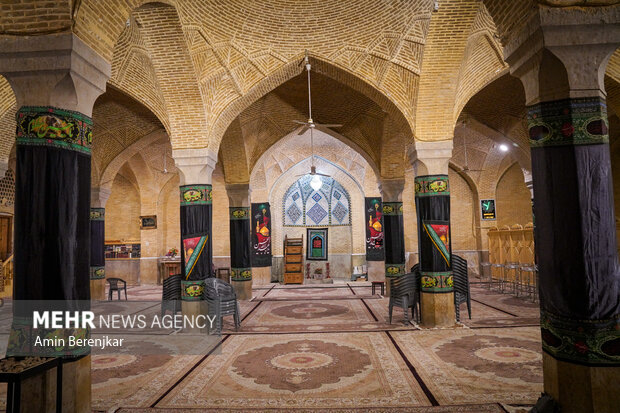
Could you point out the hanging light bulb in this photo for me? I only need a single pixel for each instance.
(316, 182)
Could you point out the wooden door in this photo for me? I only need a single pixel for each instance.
(6, 237)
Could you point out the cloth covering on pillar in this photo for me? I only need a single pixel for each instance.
(374, 229)
(52, 224)
(432, 198)
(394, 238)
(575, 237)
(261, 235)
(196, 242)
(240, 244)
(97, 243)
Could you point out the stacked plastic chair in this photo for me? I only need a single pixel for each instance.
(461, 285)
(222, 301)
(171, 295)
(404, 294)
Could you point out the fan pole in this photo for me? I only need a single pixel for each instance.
(308, 67)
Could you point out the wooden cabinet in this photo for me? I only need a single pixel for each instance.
(293, 260)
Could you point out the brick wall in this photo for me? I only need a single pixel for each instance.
(514, 205)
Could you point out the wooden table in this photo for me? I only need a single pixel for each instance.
(14, 380)
(168, 267)
(374, 285)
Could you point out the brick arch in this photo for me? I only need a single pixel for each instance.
(112, 169)
(100, 25)
(164, 37)
(8, 107)
(293, 149)
(510, 16)
(134, 74)
(475, 198)
(292, 69)
(483, 63)
(444, 51)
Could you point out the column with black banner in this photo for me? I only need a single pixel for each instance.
(195, 169)
(432, 199)
(99, 197)
(56, 80)
(575, 237)
(394, 230)
(240, 242)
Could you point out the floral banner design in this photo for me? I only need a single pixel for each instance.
(49, 126)
(568, 122)
(432, 185)
(196, 195)
(192, 290)
(241, 274)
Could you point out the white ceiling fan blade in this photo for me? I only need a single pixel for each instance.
(303, 130)
(299, 122)
(328, 125)
(321, 174)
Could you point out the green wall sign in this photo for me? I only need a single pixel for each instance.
(488, 209)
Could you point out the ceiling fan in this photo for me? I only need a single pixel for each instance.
(316, 182)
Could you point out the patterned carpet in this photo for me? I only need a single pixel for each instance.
(331, 349)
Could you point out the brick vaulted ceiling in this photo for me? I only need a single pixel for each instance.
(226, 75)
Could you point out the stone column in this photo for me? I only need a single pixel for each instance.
(393, 228)
(432, 198)
(240, 241)
(98, 199)
(56, 79)
(195, 169)
(561, 61)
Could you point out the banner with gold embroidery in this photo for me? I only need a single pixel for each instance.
(240, 244)
(432, 198)
(196, 240)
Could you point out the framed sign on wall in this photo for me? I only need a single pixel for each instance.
(317, 244)
(148, 222)
(487, 207)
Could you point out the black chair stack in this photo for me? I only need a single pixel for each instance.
(461, 285)
(171, 295)
(222, 301)
(403, 293)
(114, 286)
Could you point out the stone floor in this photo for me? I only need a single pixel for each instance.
(332, 348)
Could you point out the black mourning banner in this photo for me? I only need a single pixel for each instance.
(97, 241)
(52, 205)
(575, 237)
(394, 238)
(261, 235)
(432, 199)
(240, 243)
(196, 222)
(374, 229)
